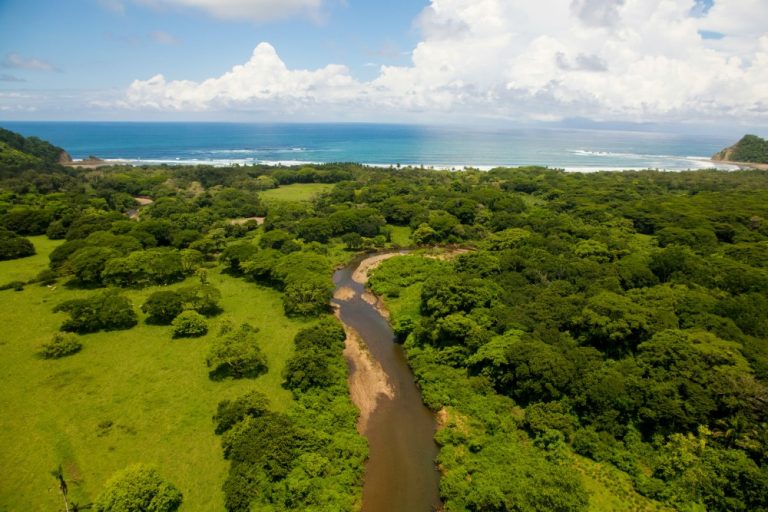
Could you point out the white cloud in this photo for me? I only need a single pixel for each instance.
(628, 60)
(253, 10)
(263, 81)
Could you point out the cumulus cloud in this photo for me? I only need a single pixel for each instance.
(263, 81)
(253, 10)
(629, 60)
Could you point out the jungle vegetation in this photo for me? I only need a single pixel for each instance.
(616, 319)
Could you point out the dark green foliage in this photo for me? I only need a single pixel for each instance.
(13, 246)
(229, 413)
(236, 253)
(138, 489)
(26, 220)
(63, 344)
(307, 297)
(40, 149)
(316, 363)
(189, 324)
(237, 355)
(162, 307)
(107, 311)
(311, 458)
(144, 268)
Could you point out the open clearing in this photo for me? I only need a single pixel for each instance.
(297, 192)
(128, 396)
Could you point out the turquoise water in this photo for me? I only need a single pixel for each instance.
(443, 147)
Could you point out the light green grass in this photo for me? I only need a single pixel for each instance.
(297, 192)
(24, 269)
(612, 489)
(153, 389)
(401, 236)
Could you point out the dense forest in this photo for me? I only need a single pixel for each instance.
(612, 320)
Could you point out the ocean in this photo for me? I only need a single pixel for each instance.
(376, 144)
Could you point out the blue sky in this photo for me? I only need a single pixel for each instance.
(108, 44)
(442, 61)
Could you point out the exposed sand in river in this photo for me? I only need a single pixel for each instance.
(361, 272)
(344, 293)
(367, 380)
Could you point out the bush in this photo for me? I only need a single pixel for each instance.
(13, 246)
(228, 413)
(162, 307)
(138, 489)
(63, 344)
(189, 324)
(236, 355)
(13, 285)
(307, 297)
(108, 311)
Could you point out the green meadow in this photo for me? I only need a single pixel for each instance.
(128, 396)
(297, 192)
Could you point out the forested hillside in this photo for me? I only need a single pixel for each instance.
(602, 344)
(750, 148)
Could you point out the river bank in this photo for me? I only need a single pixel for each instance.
(400, 472)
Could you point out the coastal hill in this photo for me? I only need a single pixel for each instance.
(751, 149)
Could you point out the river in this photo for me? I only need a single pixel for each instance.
(400, 474)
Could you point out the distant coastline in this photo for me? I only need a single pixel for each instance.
(376, 145)
(702, 164)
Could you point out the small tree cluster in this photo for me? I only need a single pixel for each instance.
(316, 363)
(236, 354)
(109, 311)
(165, 305)
(13, 246)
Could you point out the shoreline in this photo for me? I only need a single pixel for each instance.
(744, 166)
(697, 163)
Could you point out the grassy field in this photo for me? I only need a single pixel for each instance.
(128, 396)
(296, 192)
(401, 236)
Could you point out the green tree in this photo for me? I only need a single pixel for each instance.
(236, 354)
(138, 488)
(162, 307)
(189, 324)
(13, 246)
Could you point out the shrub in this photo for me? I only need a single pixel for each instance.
(13, 285)
(162, 307)
(63, 344)
(228, 413)
(13, 246)
(189, 324)
(108, 311)
(236, 355)
(138, 489)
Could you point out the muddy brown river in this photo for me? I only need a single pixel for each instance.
(400, 475)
